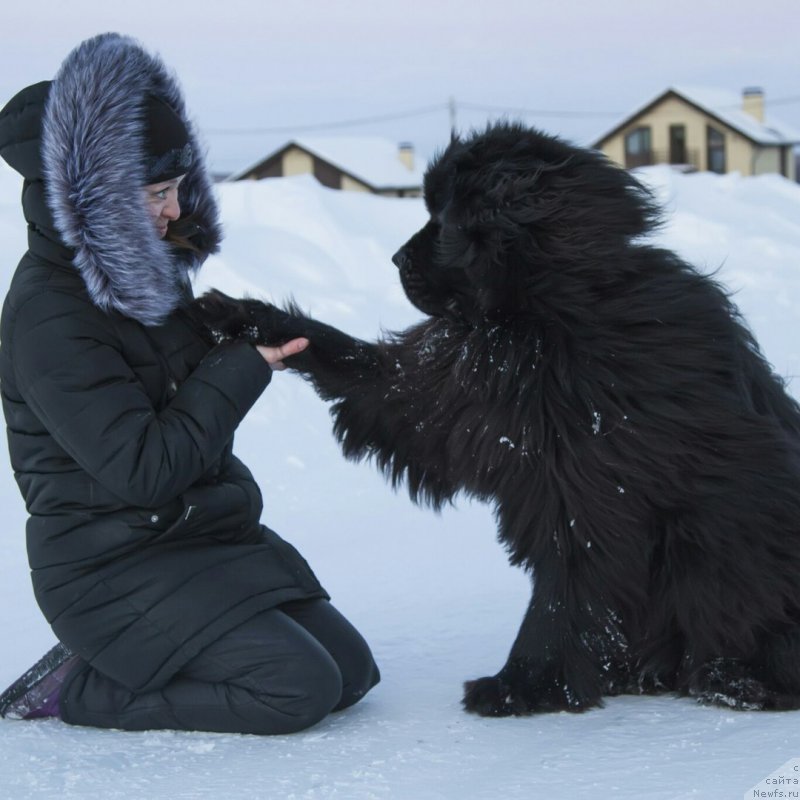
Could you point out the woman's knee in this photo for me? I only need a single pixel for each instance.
(345, 644)
(359, 674)
(315, 689)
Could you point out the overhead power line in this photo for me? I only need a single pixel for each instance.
(540, 112)
(451, 107)
(781, 101)
(346, 123)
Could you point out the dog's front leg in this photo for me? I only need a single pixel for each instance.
(569, 652)
(334, 361)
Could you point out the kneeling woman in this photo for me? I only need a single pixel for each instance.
(174, 606)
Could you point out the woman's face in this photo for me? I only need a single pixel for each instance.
(161, 201)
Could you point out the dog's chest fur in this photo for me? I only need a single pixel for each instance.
(491, 389)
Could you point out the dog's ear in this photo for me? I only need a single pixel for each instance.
(584, 197)
(605, 200)
(494, 278)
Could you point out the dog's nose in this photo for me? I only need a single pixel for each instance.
(400, 258)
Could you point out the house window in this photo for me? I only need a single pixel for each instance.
(638, 151)
(677, 145)
(715, 150)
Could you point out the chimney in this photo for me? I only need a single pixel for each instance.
(406, 154)
(753, 102)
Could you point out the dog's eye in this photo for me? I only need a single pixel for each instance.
(451, 231)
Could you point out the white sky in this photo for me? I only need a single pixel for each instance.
(248, 64)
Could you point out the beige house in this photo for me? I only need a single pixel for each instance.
(360, 164)
(702, 129)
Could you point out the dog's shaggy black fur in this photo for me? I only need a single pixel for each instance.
(643, 459)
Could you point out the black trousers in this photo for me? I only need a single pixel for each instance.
(280, 672)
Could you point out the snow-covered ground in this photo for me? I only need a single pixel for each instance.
(433, 594)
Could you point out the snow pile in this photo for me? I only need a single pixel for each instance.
(433, 594)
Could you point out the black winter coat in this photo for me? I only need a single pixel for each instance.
(144, 538)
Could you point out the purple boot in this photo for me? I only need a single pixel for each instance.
(36, 694)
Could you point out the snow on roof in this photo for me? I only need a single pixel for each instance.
(726, 106)
(371, 159)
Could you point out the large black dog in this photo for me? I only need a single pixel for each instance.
(608, 400)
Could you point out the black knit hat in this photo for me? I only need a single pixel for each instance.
(168, 151)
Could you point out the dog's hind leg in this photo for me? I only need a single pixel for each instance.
(778, 666)
(726, 682)
(745, 686)
(725, 662)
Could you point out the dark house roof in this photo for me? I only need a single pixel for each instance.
(372, 161)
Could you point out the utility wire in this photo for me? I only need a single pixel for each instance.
(449, 106)
(539, 112)
(781, 101)
(338, 124)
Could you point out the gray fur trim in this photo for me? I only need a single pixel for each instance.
(93, 153)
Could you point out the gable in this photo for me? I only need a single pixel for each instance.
(357, 162)
(717, 108)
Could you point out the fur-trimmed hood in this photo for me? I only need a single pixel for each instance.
(92, 156)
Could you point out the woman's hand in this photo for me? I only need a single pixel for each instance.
(274, 355)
